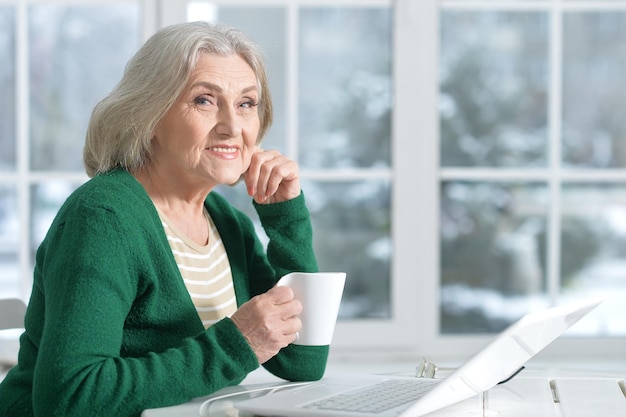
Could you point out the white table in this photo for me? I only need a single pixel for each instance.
(533, 393)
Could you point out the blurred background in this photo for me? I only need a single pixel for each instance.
(464, 162)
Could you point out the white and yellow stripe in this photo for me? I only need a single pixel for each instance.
(205, 271)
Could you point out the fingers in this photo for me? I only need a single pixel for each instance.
(272, 177)
(283, 296)
(269, 321)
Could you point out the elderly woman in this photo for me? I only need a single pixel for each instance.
(150, 289)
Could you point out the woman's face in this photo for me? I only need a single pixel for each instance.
(209, 134)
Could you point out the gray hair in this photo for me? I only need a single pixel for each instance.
(122, 124)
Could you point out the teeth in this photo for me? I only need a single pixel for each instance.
(225, 150)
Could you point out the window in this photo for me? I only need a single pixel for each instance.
(339, 130)
(330, 69)
(463, 160)
(9, 229)
(59, 58)
(530, 165)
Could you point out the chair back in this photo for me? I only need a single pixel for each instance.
(12, 311)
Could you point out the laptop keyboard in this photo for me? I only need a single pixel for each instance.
(378, 397)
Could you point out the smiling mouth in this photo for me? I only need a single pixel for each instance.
(223, 150)
(226, 153)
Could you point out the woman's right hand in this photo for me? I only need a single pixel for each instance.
(269, 321)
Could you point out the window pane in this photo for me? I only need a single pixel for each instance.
(238, 196)
(9, 243)
(7, 86)
(77, 54)
(594, 60)
(267, 27)
(493, 89)
(492, 254)
(351, 223)
(351, 232)
(46, 200)
(593, 259)
(344, 70)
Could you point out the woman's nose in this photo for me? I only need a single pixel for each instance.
(228, 122)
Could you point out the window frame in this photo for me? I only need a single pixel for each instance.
(361, 336)
(569, 347)
(24, 177)
(413, 330)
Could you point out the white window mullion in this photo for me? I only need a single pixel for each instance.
(293, 25)
(554, 139)
(348, 174)
(169, 12)
(23, 146)
(149, 18)
(415, 204)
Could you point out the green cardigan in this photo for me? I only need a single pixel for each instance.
(111, 329)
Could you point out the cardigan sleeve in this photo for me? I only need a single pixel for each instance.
(290, 249)
(95, 279)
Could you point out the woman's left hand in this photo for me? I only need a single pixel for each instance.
(272, 177)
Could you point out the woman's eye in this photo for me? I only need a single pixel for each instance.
(203, 100)
(248, 104)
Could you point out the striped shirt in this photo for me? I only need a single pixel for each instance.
(205, 270)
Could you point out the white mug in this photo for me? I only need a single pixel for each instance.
(320, 294)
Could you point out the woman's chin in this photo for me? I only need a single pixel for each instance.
(232, 179)
(235, 182)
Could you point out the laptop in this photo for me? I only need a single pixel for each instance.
(348, 395)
